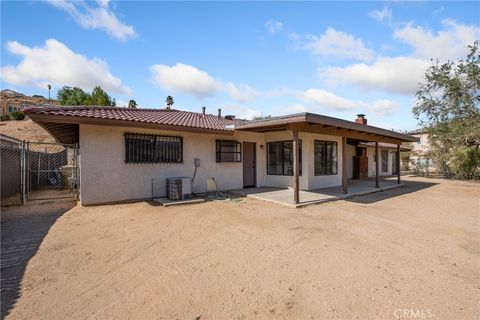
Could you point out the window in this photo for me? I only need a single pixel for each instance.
(144, 148)
(325, 158)
(280, 158)
(384, 160)
(229, 151)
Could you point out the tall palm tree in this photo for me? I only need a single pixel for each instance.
(169, 101)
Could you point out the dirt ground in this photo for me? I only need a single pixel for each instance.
(407, 253)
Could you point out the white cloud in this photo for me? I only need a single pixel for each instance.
(56, 64)
(191, 80)
(384, 107)
(273, 26)
(242, 93)
(382, 15)
(241, 112)
(402, 74)
(449, 43)
(339, 44)
(330, 101)
(184, 78)
(100, 17)
(396, 75)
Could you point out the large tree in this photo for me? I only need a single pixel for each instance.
(68, 96)
(132, 104)
(447, 105)
(100, 98)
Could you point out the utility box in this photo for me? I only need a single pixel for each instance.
(178, 188)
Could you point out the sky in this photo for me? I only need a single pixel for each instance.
(247, 58)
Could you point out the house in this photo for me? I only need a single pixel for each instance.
(419, 157)
(127, 154)
(11, 101)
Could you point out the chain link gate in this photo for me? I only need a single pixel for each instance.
(49, 171)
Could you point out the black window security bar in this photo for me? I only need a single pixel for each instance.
(147, 148)
(228, 151)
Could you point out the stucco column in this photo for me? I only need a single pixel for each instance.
(344, 165)
(377, 166)
(296, 168)
(398, 163)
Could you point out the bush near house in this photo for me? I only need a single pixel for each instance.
(5, 117)
(17, 115)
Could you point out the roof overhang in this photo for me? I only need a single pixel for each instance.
(314, 123)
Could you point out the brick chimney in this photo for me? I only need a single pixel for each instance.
(361, 119)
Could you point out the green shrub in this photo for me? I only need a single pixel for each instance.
(5, 117)
(466, 162)
(17, 115)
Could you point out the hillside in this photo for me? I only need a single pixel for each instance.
(25, 130)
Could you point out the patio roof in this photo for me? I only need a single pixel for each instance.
(316, 123)
(384, 145)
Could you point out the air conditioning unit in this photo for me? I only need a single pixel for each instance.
(178, 188)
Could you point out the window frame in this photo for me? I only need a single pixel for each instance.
(156, 156)
(219, 152)
(383, 152)
(283, 158)
(325, 157)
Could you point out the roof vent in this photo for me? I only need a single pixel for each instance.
(230, 117)
(219, 112)
(361, 119)
(203, 110)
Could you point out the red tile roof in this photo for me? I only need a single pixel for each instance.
(154, 116)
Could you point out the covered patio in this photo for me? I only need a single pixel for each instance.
(357, 132)
(285, 196)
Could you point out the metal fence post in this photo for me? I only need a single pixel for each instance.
(23, 197)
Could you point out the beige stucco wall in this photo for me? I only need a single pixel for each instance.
(105, 177)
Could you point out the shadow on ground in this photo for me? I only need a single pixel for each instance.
(23, 229)
(409, 187)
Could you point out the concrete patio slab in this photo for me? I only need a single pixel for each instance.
(284, 196)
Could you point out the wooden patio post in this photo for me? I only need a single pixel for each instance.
(398, 163)
(344, 165)
(296, 168)
(377, 166)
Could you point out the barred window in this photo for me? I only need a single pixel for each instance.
(229, 151)
(145, 148)
(325, 158)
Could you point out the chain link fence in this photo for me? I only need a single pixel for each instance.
(38, 171)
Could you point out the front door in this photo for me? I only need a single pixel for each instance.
(249, 164)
